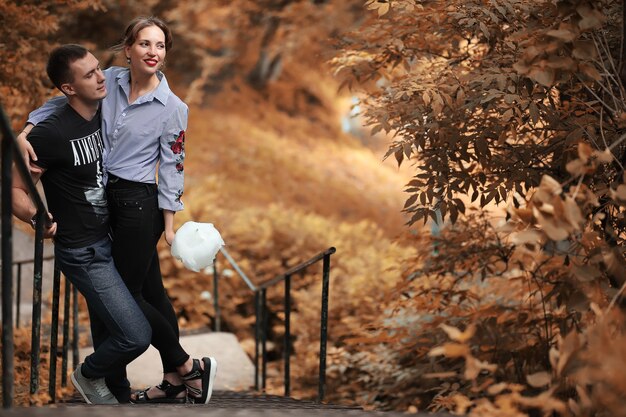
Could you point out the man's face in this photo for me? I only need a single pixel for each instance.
(88, 83)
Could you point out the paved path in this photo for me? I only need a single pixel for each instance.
(193, 411)
(223, 403)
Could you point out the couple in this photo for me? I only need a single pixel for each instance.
(121, 123)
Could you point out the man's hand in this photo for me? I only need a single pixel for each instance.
(27, 151)
(49, 232)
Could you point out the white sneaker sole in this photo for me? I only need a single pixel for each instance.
(78, 388)
(211, 378)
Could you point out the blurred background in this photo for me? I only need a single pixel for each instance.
(510, 119)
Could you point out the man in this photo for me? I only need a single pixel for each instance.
(69, 147)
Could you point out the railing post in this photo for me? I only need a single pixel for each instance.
(287, 333)
(257, 337)
(36, 318)
(66, 331)
(18, 297)
(264, 314)
(324, 326)
(6, 154)
(54, 333)
(216, 296)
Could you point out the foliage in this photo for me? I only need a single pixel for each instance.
(25, 29)
(487, 96)
(500, 101)
(495, 101)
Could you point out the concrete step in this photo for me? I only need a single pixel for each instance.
(163, 410)
(235, 370)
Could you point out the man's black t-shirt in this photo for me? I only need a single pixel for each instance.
(70, 149)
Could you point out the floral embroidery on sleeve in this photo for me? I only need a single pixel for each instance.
(179, 194)
(178, 147)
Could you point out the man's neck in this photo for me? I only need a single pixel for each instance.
(87, 109)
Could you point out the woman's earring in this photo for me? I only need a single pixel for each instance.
(128, 60)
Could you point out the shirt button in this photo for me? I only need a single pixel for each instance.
(123, 114)
(115, 131)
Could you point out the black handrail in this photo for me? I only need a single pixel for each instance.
(6, 149)
(262, 317)
(18, 282)
(9, 156)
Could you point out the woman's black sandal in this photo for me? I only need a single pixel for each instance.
(207, 375)
(171, 392)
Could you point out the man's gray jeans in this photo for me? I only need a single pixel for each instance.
(92, 271)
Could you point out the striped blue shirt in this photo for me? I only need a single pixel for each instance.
(140, 136)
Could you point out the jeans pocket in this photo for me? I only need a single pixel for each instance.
(129, 214)
(76, 258)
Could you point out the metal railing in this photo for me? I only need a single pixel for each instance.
(262, 316)
(20, 267)
(8, 156)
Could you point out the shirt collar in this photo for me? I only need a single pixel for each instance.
(161, 93)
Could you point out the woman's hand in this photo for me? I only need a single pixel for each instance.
(169, 236)
(27, 151)
(168, 220)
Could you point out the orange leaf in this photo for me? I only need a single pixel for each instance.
(539, 379)
(457, 335)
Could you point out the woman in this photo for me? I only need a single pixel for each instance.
(143, 124)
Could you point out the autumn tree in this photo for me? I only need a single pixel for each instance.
(501, 102)
(488, 96)
(27, 29)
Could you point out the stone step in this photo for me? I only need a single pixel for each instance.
(235, 370)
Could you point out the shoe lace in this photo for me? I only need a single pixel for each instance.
(100, 387)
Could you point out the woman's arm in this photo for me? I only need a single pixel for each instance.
(26, 149)
(171, 174)
(36, 116)
(168, 217)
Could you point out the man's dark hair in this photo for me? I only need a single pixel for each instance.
(59, 62)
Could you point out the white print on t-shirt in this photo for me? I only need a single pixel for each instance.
(87, 149)
(99, 176)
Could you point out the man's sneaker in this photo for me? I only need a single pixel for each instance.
(207, 375)
(94, 391)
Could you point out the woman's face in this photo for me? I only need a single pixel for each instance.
(148, 52)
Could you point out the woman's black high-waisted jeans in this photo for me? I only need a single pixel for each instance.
(136, 225)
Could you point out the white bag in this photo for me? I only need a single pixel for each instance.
(196, 244)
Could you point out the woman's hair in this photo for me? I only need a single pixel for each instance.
(137, 25)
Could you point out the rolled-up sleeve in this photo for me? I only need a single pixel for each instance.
(49, 107)
(171, 169)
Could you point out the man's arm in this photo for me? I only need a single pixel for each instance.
(23, 207)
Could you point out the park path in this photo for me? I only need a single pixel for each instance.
(223, 404)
